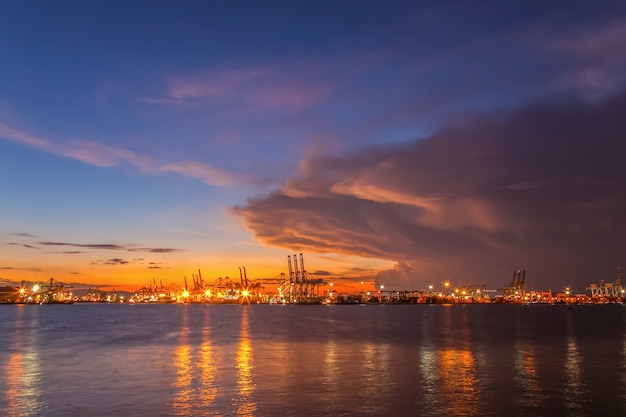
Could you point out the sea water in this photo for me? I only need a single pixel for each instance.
(312, 360)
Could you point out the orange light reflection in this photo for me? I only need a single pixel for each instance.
(245, 370)
(457, 368)
(182, 399)
(22, 371)
(208, 390)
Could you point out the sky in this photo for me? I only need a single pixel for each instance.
(396, 143)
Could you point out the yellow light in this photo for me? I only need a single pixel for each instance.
(185, 293)
(22, 290)
(207, 293)
(35, 288)
(245, 293)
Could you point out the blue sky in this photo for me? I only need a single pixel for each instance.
(176, 136)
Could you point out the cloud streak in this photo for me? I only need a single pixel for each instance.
(258, 88)
(542, 188)
(109, 246)
(104, 156)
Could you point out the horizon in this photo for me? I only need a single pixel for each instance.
(400, 144)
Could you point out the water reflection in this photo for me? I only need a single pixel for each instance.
(574, 391)
(457, 367)
(428, 367)
(208, 369)
(528, 389)
(22, 369)
(622, 384)
(377, 379)
(369, 370)
(183, 390)
(330, 375)
(245, 369)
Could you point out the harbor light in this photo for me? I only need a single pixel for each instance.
(35, 288)
(185, 293)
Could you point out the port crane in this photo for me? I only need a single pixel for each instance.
(609, 290)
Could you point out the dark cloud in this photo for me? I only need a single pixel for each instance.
(543, 188)
(21, 234)
(107, 246)
(116, 261)
(154, 250)
(79, 245)
(154, 267)
(22, 244)
(10, 268)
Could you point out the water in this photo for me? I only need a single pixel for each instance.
(262, 360)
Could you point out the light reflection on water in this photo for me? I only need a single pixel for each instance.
(22, 372)
(182, 406)
(245, 370)
(165, 360)
(208, 368)
(574, 390)
(527, 382)
(456, 366)
(622, 367)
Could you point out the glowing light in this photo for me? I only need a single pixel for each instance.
(207, 293)
(245, 293)
(35, 288)
(185, 293)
